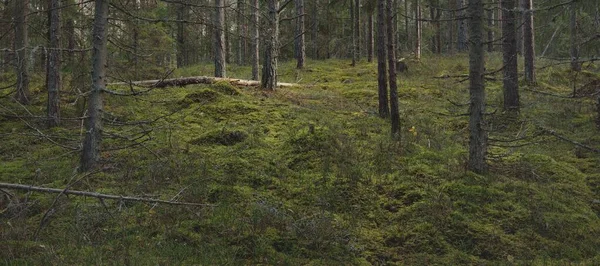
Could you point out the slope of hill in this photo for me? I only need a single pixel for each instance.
(309, 175)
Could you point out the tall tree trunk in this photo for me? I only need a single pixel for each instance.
(53, 66)
(384, 109)
(22, 51)
(462, 28)
(394, 112)
(477, 134)
(509, 55)
(219, 43)
(452, 14)
(182, 59)
(357, 29)
(315, 29)
(300, 46)
(419, 30)
(575, 65)
(519, 26)
(269, 73)
(528, 41)
(438, 30)
(408, 43)
(353, 34)
(240, 32)
(70, 32)
(255, 38)
(490, 30)
(370, 38)
(93, 123)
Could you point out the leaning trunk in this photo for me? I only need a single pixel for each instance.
(93, 123)
(53, 64)
(477, 134)
(21, 43)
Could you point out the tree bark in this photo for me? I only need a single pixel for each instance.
(353, 32)
(370, 38)
(394, 110)
(418, 29)
(219, 43)
(528, 41)
(575, 65)
(315, 29)
(240, 32)
(53, 65)
(384, 109)
(182, 59)
(22, 51)
(490, 30)
(255, 38)
(93, 123)
(300, 44)
(451, 27)
(477, 134)
(357, 29)
(509, 55)
(269, 73)
(461, 39)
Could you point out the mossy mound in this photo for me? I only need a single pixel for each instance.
(221, 137)
(225, 88)
(203, 96)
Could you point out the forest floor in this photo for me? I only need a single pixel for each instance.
(309, 174)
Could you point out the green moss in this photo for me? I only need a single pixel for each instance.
(226, 88)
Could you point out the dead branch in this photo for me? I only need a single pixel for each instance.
(563, 138)
(96, 195)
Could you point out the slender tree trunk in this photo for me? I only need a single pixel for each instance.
(22, 51)
(240, 32)
(477, 134)
(490, 30)
(394, 112)
(370, 38)
(93, 123)
(451, 3)
(70, 32)
(519, 26)
(462, 28)
(357, 29)
(438, 31)
(509, 55)
(255, 38)
(528, 41)
(419, 30)
(269, 73)
(300, 45)
(575, 65)
(181, 47)
(315, 29)
(408, 42)
(53, 66)
(384, 109)
(219, 44)
(353, 29)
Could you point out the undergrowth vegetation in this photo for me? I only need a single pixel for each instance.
(309, 174)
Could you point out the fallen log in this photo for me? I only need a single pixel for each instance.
(96, 194)
(184, 81)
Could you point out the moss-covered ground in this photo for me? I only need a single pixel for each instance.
(309, 175)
